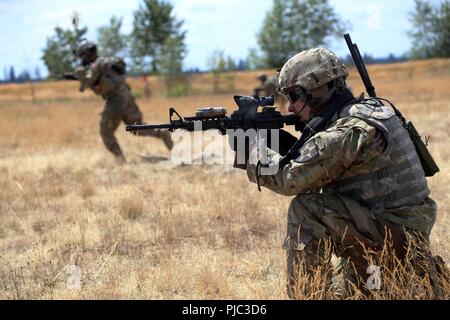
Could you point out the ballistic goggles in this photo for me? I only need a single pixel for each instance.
(297, 93)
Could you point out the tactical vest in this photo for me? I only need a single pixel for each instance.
(112, 77)
(396, 178)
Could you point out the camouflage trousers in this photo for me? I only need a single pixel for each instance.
(351, 229)
(121, 107)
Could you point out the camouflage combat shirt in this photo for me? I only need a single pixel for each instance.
(349, 144)
(101, 77)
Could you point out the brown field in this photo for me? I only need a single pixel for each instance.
(158, 230)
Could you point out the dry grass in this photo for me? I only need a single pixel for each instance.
(418, 277)
(131, 208)
(161, 231)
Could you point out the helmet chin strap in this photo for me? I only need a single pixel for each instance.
(304, 106)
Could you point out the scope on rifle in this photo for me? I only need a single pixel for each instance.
(213, 112)
(254, 102)
(245, 117)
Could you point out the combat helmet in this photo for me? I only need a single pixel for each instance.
(310, 70)
(262, 77)
(85, 50)
(85, 47)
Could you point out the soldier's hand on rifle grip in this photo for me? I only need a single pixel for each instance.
(287, 141)
(242, 145)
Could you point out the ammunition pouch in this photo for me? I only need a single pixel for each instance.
(427, 162)
(119, 66)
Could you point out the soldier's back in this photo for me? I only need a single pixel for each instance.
(111, 74)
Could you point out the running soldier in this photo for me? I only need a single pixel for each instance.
(106, 76)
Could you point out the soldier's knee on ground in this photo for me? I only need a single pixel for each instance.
(314, 217)
(302, 241)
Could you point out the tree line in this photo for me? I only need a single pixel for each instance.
(430, 34)
(156, 44)
(11, 76)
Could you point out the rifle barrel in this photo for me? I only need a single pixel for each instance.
(224, 123)
(137, 127)
(359, 63)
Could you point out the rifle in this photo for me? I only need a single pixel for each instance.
(426, 159)
(72, 77)
(245, 117)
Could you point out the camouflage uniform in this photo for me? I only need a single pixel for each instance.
(354, 180)
(103, 78)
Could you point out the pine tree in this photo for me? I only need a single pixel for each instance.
(430, 34)
(442, 29)
(111, 42)
(293, 26)
(171, 65)
(12, 75)
(59, 51)
(154, 24)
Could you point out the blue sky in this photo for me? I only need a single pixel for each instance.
(378, 26)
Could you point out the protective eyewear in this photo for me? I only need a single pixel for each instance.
(295, 94)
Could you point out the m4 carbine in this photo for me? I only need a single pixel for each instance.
(245, 117)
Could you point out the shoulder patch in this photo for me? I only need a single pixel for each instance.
(308, 152)
(370, 110)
